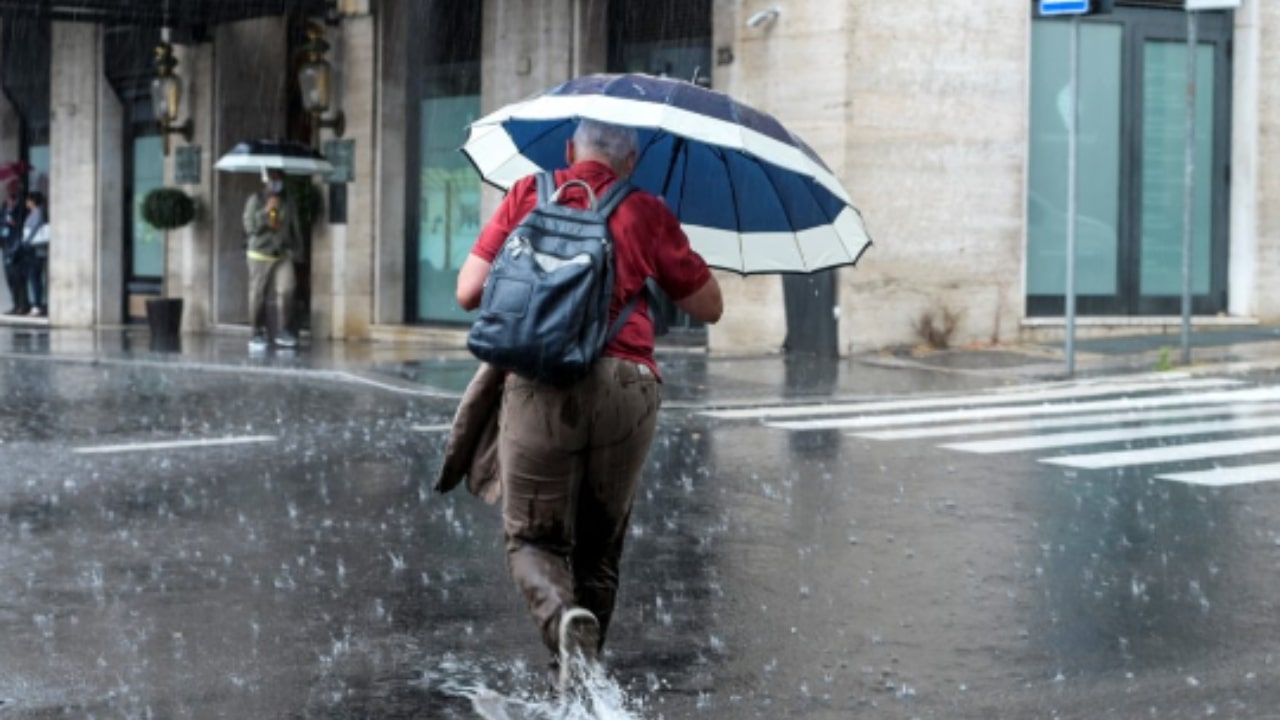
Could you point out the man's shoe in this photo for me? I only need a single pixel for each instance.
(258, 344)
(36, 312)
(286, 339)
(579, 645)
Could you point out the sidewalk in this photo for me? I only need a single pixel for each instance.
(690, 376)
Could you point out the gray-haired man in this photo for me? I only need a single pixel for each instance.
(571, 457)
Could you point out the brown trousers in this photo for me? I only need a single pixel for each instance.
(571, 460)
(271, 276)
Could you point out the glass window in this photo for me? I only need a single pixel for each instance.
(449, 204)
(148, 174)
(1098, 157)
(444, 190)
(38, 179)
(1164, 141)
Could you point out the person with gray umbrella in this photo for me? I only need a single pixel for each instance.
(274, 231)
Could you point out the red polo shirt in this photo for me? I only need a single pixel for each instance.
(648, 243)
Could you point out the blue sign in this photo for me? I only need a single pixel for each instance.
(1064, 7)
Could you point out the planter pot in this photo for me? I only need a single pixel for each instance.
(164, 317)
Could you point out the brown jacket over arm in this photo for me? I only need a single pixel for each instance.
(472, 449)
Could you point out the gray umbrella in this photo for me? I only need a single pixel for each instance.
(259, 156)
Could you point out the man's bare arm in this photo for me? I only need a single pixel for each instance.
(705, 303)
(471, 281)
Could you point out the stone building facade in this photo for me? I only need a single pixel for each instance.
(944, 121)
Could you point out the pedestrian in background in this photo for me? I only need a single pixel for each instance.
(35, 241)
(15, 272)
(274, 232)
(570, 457)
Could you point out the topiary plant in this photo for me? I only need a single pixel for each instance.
(168, 208)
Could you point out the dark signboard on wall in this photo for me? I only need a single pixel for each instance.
(186, 165)
(342, 155)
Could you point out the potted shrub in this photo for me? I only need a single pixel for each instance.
(166, 208)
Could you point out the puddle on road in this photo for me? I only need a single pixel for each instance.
(525, 696)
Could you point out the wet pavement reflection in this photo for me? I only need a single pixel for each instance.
(182, 541)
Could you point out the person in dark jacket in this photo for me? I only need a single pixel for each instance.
(15, 272)
(37, 253)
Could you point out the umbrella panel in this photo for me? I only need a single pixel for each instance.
(686, 96)
(702, 184)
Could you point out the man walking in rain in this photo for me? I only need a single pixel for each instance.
(274, 238)
(570, 457)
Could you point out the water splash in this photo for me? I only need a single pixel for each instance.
(597, 698)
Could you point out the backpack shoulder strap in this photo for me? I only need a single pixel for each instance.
(546, 184)
(616, 327)
(614, 196)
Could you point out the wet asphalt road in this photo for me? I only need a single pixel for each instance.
(309, 572)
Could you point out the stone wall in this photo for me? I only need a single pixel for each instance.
(1266, 275)
(937, 122)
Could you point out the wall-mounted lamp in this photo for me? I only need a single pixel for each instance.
(315, 77)
(166, 94)
(764, 17)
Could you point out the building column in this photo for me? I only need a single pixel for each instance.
(344, 255)
(82, 156)
(392, 77)
(529, 47)
(1243, 278)
(10, 149)
(189, 250)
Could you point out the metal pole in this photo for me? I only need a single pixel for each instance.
(1189, 185)
(1073, 123)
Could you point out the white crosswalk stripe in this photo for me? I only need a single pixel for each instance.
(1155, 422)
(1220, 476)
(1070, 421)
(1095, 437)
(1172, 453)
(997, 397)
(987, 413)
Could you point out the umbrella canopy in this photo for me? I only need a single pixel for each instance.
(259, 156)
(751, 196)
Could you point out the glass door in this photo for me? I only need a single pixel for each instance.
(1161, 179)
(1131, 163)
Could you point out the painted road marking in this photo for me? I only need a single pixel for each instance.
(1172, 453)
(1102, 437)
(1223, 476)
(174, 444)
(944, 416)
(937, 431)
(444, 427)
(992, 398)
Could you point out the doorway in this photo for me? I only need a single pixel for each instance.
(1131, 161)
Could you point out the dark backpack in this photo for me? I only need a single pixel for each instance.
(544, 312)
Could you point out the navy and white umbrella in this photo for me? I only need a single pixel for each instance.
(287, 156)
(751, 196)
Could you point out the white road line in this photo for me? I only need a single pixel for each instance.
(937, 431)
(1173, 453)
(433, 428)
(1097, 437)
(174, 444)
(992, 398)
(1125, 404)
(1223, 476)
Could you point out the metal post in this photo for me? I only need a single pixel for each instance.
(1073, 123)
(1188, 199)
